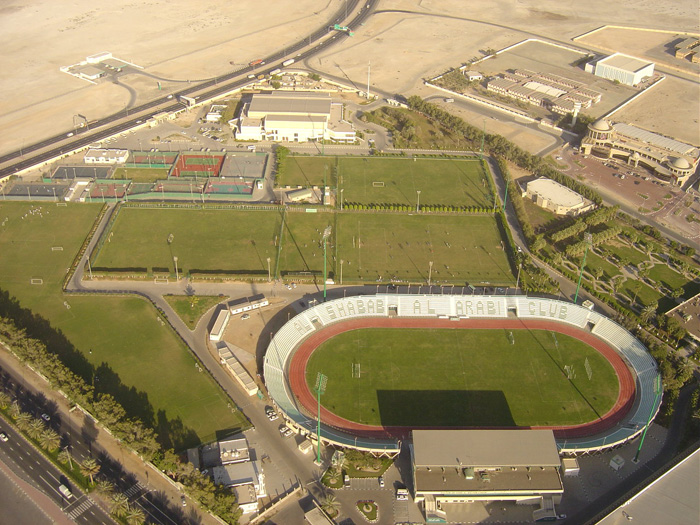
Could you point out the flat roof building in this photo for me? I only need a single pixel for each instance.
(106, 156)
(625, 69)
(462, 466)
(557, 198)
(293, 117)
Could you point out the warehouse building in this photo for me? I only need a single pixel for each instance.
(557, 198)
(293, 117)
(106, 156)
(452, 468)
(670, 161)
(623, 68)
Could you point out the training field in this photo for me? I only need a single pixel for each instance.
(388, 180)
(202, 239)
(141, 174)
(400, 247)
(419, 377)
(134, 356)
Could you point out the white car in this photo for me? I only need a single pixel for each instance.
(45, 417)
(245, 316)
(3, 437)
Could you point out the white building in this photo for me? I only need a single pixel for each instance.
(473, 75)
(293, 117)
(106, 156)
(623, 68)
(555, 197)
(215, 112)
(220, 323)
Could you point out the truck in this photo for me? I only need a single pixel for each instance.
(65, 491)
(275, 72)
(288, 62)
(256, 62)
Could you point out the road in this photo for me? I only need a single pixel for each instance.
(65, 143)
(31, 465)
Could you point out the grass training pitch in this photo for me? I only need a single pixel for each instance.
(460, 378)
(141, 174)
(400, 247)
(134, 355)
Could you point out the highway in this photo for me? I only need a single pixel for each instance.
(80, 440)
(129, 118)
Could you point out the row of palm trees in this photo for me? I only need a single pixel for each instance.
(50, 441)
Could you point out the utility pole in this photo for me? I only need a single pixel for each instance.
(657, 390)
(326, 234)
(321, 382)
(589, 240)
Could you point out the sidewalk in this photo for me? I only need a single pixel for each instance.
(147, 474)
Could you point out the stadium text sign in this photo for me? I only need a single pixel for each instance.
(547, 309)
(452, 306)
(358, 306)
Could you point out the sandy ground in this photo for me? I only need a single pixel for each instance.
(180, 40)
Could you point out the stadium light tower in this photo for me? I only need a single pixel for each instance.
(418, 201)
(320, 389)
(269, 274)
(430, 271)
(177, 276)
(588, 239)
(326, 234)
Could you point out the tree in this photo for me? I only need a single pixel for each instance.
(119, 505)
(49, 439)
(35, 428)
(636, 287)
(134, 516)
(64, 456)
(598, 272)
(105, 488)
(677, 292)
(648, 312)
(23, 420)
(89, 467)
(330, 504)
(15, 410)
(5, 400)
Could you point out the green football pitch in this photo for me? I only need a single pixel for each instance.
(458, 378)
(390, 180)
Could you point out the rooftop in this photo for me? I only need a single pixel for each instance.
(625, 62)
(655, 139)
(555, 192)
(485, 448)
(299, 104)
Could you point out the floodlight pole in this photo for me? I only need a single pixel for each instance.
(341, 270)
(430, 271)
(326, 234)
(269, 274)
(517, 281)
(341, 198)
(658, 390)
(418, 201)
(321, 381)
(588, 239)
(177, 276)
(483, 138)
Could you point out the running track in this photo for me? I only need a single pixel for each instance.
(299, 387)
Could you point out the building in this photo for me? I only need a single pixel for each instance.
(246, 498)
(688, 48)
(244, 473)
(453, 467)
(227, 357)
(557, 198)
(220, 323)
(106, 156)
(293, 117)
(471, 76)
(215, 112)
(246, 304)
(623, 68)
(671, 161)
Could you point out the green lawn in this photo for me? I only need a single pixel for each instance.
(462, 248)
(645, 294)
(191, 308)
(208, 240)
(308, 171)
(662, 274)
(594, 261)
(625, 251)
(448, 182)
(141, 174)
(302, 250)
(412, 377)
(134, 356)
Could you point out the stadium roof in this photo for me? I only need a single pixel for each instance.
(624, 62)
(485, 448)
(301, 105)
(654, 139)
(672, 498)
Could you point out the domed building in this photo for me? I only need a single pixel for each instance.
(671, 161)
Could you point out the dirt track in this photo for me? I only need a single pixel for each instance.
(297, 371)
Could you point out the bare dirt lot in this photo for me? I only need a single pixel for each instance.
(406, 40)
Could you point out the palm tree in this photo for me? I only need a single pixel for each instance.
(35, 428)
(648, 312)
(15, 410)
(105, 488)
(330, 504)
(119, 505)
(64, 456)
(49, 439)
(89, 467)
(135, 516)
(23, 420)
(5, 400)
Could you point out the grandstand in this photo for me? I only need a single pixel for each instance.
(457, 307)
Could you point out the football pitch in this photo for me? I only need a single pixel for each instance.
(462, 378)
(390, 180)
(118, 341)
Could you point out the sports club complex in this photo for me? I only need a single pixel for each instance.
(637, 403)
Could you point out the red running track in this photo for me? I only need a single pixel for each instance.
(297, 371)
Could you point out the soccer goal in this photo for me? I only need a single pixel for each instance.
(589, 370)
(356, 370)
(57, 248)
(160, 280)
(37, 281)
(378, 184)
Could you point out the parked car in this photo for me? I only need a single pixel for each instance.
(45, 417)
(3, 437)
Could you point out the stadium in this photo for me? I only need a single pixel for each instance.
(287, 356)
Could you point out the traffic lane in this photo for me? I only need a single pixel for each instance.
(31, 465)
